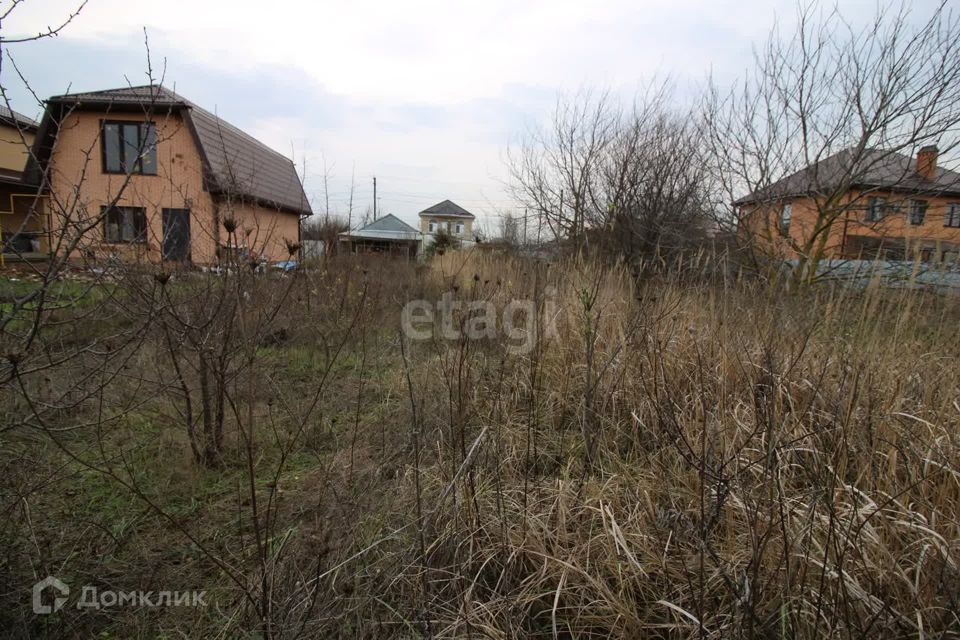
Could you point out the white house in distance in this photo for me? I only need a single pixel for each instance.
(447, 216)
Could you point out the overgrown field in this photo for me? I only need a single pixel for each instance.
(642, 456)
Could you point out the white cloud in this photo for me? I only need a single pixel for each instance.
(437, 50)
(424, 92)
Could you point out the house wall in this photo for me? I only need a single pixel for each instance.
(452, 223)
(261, 230)
(21, 212)
(763, 223)
(79, 188)
(13, 153)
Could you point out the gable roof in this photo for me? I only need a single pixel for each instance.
(15, 119)
(234, 161)
(448, 208)
(388, 222)
(873, 169)
(389, 227)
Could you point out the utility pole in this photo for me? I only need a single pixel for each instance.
(525, 212)
(374, 197)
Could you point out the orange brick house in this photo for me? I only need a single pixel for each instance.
(142, 174)
(860, 206)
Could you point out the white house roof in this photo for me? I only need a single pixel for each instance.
(389, 227)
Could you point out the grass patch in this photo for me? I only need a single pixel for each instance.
(763, 462)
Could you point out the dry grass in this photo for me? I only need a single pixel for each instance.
(766, 464)
(684, 458)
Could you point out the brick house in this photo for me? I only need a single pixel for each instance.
(860, 206)
(143, 174)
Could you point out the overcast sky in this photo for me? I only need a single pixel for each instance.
(426, 95)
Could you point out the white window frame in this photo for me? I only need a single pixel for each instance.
(459, 228)
(431, 226)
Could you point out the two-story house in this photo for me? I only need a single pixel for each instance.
(447, 217)
(21, 222)
(141, 173)
(868, 204)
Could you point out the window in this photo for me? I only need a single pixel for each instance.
(459, 228)
(918, 211)
(876, 209)
(952, 219)
(129, 147)
(432, 226)
(785, 217)
(125, 224)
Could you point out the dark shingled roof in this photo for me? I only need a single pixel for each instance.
(15, 119)
(234, 162)
(448, 208)
(873, 169)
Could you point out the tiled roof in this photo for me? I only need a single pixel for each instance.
(143, 96)
(873, 168)
(448, 208)
(236, 162)
(17, 119)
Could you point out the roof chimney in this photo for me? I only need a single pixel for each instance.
(927, 162)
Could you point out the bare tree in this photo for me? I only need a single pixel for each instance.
(47, 31)
(556, 169)
(627, 180)
(105, 331)
(509, 229)
(326, 230)
(828, 108)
